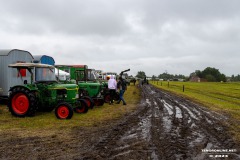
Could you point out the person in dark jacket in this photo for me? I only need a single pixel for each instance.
(122, 86)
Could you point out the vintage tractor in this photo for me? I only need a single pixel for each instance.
(44, 93)
(89, 86)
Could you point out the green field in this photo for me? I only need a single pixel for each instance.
(223, 97)
(220, 97)
(48, 122)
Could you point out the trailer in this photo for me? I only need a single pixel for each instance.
(62, 75)
(11, 77)
(44, 59)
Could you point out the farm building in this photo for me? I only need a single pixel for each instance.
(197, 79)
(11, 77)
(44, 59)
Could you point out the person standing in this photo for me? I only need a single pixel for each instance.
(112, 86)
(122, 86)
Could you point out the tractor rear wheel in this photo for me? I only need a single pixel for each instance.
(89, 101)
(83, 108)
(64, 111)
(116, 96)
(22, 102)
(99, 101)
(107, 98)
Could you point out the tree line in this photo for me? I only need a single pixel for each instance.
(235, 78)
(210, 74)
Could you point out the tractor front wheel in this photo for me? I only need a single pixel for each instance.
(64, 111)
(107, 98)
(83, 108)
(89, 101)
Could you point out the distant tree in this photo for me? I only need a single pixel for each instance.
(235, 78)
(180, 76)
(210, 78)
(141, 74)
(223, 78)
(167, 76)
(211, 74)
(198, 73)
(154, 77)
(192, 74)
(215, 73)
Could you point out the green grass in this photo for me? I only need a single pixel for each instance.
(220, 97)
(49, 123)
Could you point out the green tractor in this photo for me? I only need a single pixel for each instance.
(89, 87)
(44, 93)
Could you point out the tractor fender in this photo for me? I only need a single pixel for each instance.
(28, 87)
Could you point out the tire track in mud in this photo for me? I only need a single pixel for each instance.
(164, 126)
(129, 139)
(187, 128)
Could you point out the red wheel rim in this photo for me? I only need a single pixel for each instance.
(20, 103)
(88, 102)
(81, 109)
(63, 112)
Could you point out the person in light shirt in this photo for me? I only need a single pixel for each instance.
(112, 86)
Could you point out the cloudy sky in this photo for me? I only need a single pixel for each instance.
(154, 36)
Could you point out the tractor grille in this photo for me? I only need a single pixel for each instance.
(93, 87)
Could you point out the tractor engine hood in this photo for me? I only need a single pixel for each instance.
(64, 86)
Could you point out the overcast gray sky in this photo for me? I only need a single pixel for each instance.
(154, 36)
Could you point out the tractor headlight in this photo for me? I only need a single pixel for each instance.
(77, 96)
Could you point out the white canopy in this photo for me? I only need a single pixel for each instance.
(62, 75)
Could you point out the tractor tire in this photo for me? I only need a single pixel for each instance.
(116, 96)
(83, 108)
(64, 111)
(98, 101)
(22, 102)
(89, 101)
(107, 98)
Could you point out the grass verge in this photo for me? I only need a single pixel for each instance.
(47, 122)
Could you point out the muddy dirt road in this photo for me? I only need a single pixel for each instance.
(163, 127)
(167, 127)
